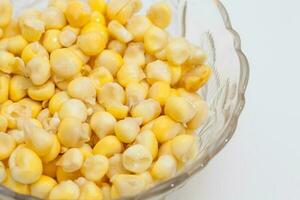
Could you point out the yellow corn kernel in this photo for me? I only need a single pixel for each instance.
(179, 109)
(7, 145)
(165, 148)
(127, 185)
(18, 87)
(135, 93)
(64, 63)
(130, 73)
(160, 91)
(111, 92)
(116, 166)
(42, 187)
(34, 106)
(195, 78)
(197, 56)
(86, 151)
(137, 26)
(95, 27)
(32, 50)
(77, 13)
(177, 51)
(4, 43)
(98, 17)
(32, 29)
(67, 38)
(3, 123)
(18, 67)
(110, 60)
(91, 43)
(60, 4)
(176, 73)
(6, 8)
(165, 128)
(118, 110)
(38, 70)
(135, 54)
(71, 160)
(155, 39)
(61, 175)
(160, 14)
(108, 146)
(6, 61)
(51, 40)
(164, 168)
(25, 165)
(12, 29)
(4, 87)
(146, 110)
(15, 186)
(100, 76)
(1, 33)
(16, 44)
(98, 5)
(105, 188)
(102, 123)
(184, 147)
(2, 172)
(54, 151)
(119, 32)
(127, 129)
(29, 14)
(73, 108)
(83, 88)
(72, 133)
(95, 167)
(66, 190)
(13, 111)
(117, 46)
(53, 18)
(89, 190)
(137, 158)
(49, 169)
(57, 101)
(18, 135)
(158, 71)
(75, 30)
(43, 92)
(202, 111)
(148, 139)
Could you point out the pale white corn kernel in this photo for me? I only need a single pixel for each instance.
(164, 168)
(73, 108)
(130, 73)
(18, 135)
(127, 129)
(7, 145)
(83, 88)
(122, 10)
(67, 38)
(137, 26)
(160, 14)
(135, 93)
(38, 70)
(65, 190)
(184, 147)
(117, 46)
(148, 139)
(109, 59)
(177, 51)
(197, 56)
(102, 123)
(71, 160)
(158, 71)
(32, 29)
(111, 92)
(128, 184)
(135, 54)
(118, 31)
(95, 167)
(53, 18)
(155, 39)
(116, 166)
(147, 110)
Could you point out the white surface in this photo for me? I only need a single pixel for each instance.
(262, 161)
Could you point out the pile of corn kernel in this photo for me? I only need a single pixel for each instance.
(96, 101)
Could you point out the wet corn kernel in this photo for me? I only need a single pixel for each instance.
(51, 40)
(32, 50)
(77, 13)
(95, 167)
(148, 139)
(177, 51)
(89, 190)
(91, 43)
(43, 92)
(60, 4)
(184, 147)
(117, 46)
(110, 60)
(111, 92)
(160, 14)
(137, 26)
(155, 39)
(135, 54)
(38, 70)
(11, 30)
(147, 110)
(71, 160)
(119, 32)
(42, 187)
(127, 185)
(158, 71)
(83, 88)
(160, 91)
(164, 168)
(108, 146)
(67, 38)
(53, 18)
(127, 129)
(102, 123)
(73, 108)
(130, 73)
(66, 190)
(135, 93)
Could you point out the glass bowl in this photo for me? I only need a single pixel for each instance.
(207, 24)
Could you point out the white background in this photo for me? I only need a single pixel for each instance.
(262, 161)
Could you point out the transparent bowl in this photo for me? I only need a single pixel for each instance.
(207, 24)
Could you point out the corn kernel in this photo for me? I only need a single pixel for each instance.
(202, 111)
(135, 93)
(77, 51)
(34, 106)
(4, 44)
(98, 17)
(77, 13)
(94, 27)
(117, 46)
(18, 87)
(158, 71)
(12, 29)
(67, 38)
(95, 167)
(51, 40)
(97, 5)
(57, 101)
(25, 165)
(6, 8)
(6, 61)
(71, 160)
(86, 151)
(31, 13)
(43, 92)
(127, 129)
(128, 185)
(119, 32)
(89, 190)
(137, 26)
(110, 60)
(2, 172)
(129, 74)
(135, 55)
(64, 63)
(42, 187)
(32, 29)
(155, 39)
(7, 145)
(197, 56)
(72, 133)
(38, 70)
(16, 44)
(49, 169)
(176, 73)
(13, 111)
(148, 139)
(91, 43)
(54, 151)
(137, 158)
(15, 186)
(108, 146)
(184, 147)
(102, 123)
(61, 175)
(53, 18)
(147, 110)
(32, 50)
(165, 128)
(165, 149)
(160, 14)
(118, 110)
(177, 51)
(3, 123)
(66, 190)
(105, 191)
(75, 30)
(60, 4)
(160, 91)
(83, 88)
(116, 166)
(73, 108)
(4, 87)
(164, 168)
(111, 92)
